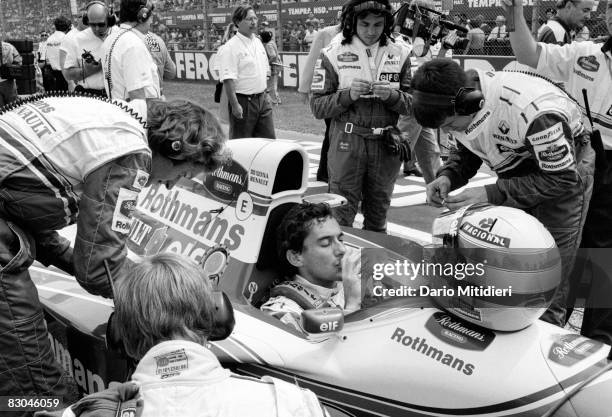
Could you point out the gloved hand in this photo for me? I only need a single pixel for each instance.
(396, 144)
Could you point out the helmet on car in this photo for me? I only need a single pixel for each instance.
(505, 266)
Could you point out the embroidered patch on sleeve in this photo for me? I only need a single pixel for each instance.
(141, 180)
(122, 216)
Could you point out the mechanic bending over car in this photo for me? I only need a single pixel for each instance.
(586, 70)
(527, 130)
(324, 272)
(70, 159)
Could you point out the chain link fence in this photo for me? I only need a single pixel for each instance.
(201, 24)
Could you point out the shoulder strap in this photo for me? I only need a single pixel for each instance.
(296, 292)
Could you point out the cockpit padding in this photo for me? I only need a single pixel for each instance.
(267, 269)
(289, 173)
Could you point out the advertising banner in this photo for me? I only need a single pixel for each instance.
(198, 65)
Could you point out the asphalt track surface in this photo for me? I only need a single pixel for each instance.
(409, 216)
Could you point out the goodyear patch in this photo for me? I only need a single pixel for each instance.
(392, 77)
(554, 156)
(547, 135)
(141, 180)
(171, 363)
(348, 57)
(344, 146)
(318, 80)
(122, 216)
(588, 63)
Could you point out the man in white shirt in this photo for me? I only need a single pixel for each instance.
(69, 42)
(129, 70)
(83, 63)
(499, 31)
(244, 67)
(53, 79)
(324, 273)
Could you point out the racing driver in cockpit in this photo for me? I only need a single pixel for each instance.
(325, 272)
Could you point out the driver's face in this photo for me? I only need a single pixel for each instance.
(322, 253)
(370, 28)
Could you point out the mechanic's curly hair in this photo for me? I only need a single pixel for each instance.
(295, 227)
(439, 76)
(349, 17)
(164, 297)
(197, 131)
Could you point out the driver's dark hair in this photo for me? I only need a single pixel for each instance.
(438, 76)
(294, 229)
(348, 20)
(164, 297)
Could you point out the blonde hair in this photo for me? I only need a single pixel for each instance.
(197, 129)
(165, 297)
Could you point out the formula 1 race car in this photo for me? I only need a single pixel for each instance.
(393, 358)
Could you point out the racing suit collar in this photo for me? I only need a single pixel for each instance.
(323, 292)
(178, 360)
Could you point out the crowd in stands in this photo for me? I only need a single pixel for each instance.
(27, 19)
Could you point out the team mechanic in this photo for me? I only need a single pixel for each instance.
(361, 83)
(66, 160)
(586, 69)
(527, 130)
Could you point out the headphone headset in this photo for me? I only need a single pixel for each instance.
(467, 101)
(170, 148)
(144, 12)
(111, 19)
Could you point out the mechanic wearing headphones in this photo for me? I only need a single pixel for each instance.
(528, 131)
(586, 70)
(129, 70)
(324, 273)
(83, 63)
(166, 310)
(361, 83)
(82, 160)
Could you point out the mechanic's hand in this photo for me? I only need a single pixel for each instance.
(305, 98)
(381, 89)
(464, 198)
(91, 68)
(237, 111)
(359, 87)
(437, 191)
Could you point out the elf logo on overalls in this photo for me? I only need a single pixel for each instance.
(392, 77)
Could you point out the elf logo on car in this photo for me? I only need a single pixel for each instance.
(329, 326)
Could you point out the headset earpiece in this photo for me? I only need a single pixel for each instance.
(468, 101)
(111, 20)
(144, 12)
(170, 148)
